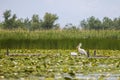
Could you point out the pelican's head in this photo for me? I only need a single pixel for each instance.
(80, 44)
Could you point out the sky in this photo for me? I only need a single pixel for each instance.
(68, 11)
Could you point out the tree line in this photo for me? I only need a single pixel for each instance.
(49, 22)
(12, 22)
(105, 24)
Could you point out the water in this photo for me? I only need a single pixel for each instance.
(95, 76)
(63, 76)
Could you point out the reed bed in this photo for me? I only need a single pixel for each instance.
(60, 39)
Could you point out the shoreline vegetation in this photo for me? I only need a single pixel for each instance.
(60, 39)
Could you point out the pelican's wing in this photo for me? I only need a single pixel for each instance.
(83, 51)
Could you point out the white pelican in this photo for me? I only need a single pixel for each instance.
(73, 54)
(81, 51)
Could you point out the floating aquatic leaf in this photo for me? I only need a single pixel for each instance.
(51, 62)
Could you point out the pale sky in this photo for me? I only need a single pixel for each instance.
(68, 11)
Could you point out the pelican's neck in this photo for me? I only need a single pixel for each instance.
(79, 48)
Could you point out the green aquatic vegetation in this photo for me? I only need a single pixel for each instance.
(63, 39)
(51, 62)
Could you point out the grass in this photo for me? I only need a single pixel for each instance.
(60, 39)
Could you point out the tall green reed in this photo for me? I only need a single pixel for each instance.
(60, 39)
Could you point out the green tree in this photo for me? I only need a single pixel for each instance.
(70, 26)
(49, 21)
(7, 15)
(35, 22)
(27, 23)
(116, 23)
(13, 21)
(94, 23)
(1, 25)
(20, 23)
(9, 20)
(107, 23)
(56, 27)
(84, 25)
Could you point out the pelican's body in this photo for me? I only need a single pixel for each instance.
(81, 51)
